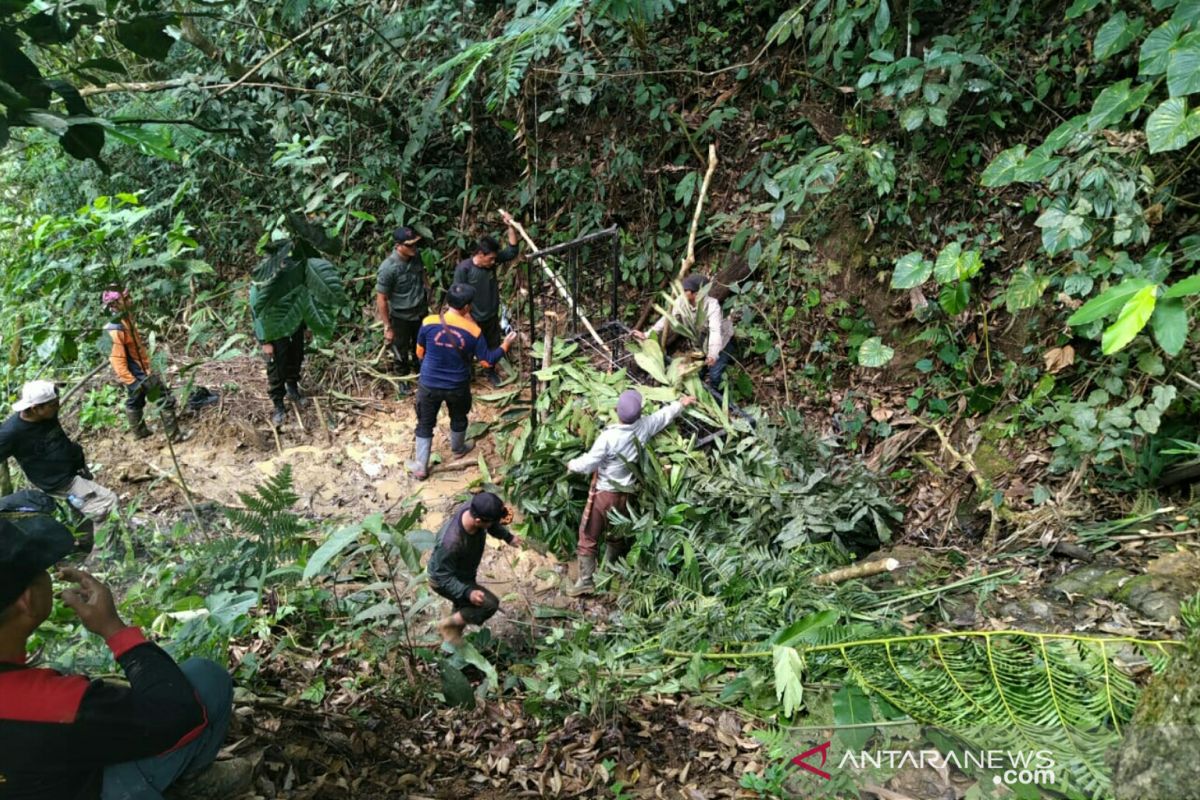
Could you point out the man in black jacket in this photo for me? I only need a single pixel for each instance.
(479, 272)
(455, 562)
(64, 737)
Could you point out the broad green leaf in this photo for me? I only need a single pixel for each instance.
(874, 353)
(1184, 288)
(1170, 325)
(1170, 126)
(852, 707)
(1115, 35)
(912, 118)
(789, 679)
(1107, 302)
(321, 319)
(476, 660)
(335, 544)
(1062, 230)
(1187, 12)
(969, 264)
(649, 356)
(1156, 48)
(1081, 7)
(946, 269)
(1133, 317)
(456, 688)
(1025, 288)
(279, 315)
(1003, 169)
(1038, 166)
(324, 283)
(1183, 66)
(805, 628)
(147, 35)
(1115, 102)
(911, 270)
(954, 298)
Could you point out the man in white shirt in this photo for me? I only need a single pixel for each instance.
(718, 330)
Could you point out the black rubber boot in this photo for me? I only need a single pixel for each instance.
(137, 425)
(279, 414)
(295, 395)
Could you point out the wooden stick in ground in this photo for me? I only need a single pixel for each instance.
(323, 421)
(690, 258)
(548, 347)
(62, 401)
(562, 290)
(587, 508)
(864, 570)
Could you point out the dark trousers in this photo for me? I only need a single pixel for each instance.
(151, 387)
(491, 331)
(429, 403)
(148, 778)
(473, 614)
(404, 343)
(714, 374)
(284, 366)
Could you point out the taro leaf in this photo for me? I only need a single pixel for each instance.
(946, 269)
(874, 353)
(1169, 324)
(84, 140)
(1004, 168)
(1170, 126)
(476, 660)
(1081, 7)
(1183, 66)
(456, 688)
(789, 675)
(911, 270)
(1133, 317)
(321, 319)
(1024, 290)
(1108, 302)
(1116, 34)
(852, 707)
(1156, 48)
(147, 35)
(49, 28)
(324, 283)
(278, 314)
(954, 298)
(19, 73)
(1115, 102)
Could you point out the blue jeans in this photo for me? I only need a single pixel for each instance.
(148, 778)
(713, 375)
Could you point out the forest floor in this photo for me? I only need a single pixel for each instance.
(377, 744)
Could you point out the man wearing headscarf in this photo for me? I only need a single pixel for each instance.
(131, 364)
(610, 457)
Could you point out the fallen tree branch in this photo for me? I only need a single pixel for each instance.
(863, 570)
(690, 259)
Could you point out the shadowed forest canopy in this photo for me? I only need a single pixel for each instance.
(959, 245)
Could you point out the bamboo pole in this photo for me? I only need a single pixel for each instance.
(864, 570)
(562, 290)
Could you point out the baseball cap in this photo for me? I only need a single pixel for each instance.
(29, 545)
(460, 295)
(35, 393)
(487, 506)
(406, 235)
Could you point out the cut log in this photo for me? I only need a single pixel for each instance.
(864, 570)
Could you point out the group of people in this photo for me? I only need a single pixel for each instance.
(65, 736)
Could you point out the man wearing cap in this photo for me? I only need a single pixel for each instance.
(610, 457)
(455, 562)
(448, 343)
(131, 363)
(479, 272)
(400, 298)
(49, 459)
(65, 736)
(719, 339)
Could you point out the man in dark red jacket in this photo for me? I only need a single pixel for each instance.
(65, 737)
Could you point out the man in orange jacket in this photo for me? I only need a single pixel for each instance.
(131, 362)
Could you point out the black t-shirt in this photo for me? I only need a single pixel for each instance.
(49, 459)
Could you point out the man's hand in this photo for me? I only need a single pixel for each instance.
(84, 473)
(93, 602)
(268, 350)
(388, 334)
(687, 400)
(516, 541)
(710, 361)
(476, 597)
(639, 335)
(508, 340)
(506, 217)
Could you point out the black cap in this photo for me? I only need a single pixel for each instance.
(460, 295)
(692, 283)
(29, 545)
(406, 235)
(487, 506)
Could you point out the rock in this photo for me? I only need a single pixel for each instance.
(1092, 581)
(1160, 755)
(1151, 597)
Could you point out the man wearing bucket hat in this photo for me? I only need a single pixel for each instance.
(131, 363)
(401, 298)
(447, 345)
(610, 457)
(454, 564)
(49, 459)
(67, 736)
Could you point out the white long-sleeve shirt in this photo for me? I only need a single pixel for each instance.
(720, 329)
(617, 447)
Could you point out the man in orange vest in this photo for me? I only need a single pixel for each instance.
(131, 362)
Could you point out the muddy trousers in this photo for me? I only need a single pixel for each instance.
(597, 525)
(473, 614)
(283, 367)
(404, 343)
(148, 778)
(149, 388)
(429, 403)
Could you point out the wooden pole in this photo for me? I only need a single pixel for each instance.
(864, 570)
(562, 290)
(689, 259)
